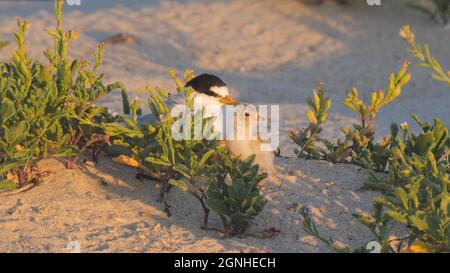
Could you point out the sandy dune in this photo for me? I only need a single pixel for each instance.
(106, 209)
(269, 52)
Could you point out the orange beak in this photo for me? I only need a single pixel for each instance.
(228, 100)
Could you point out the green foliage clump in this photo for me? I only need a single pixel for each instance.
(378, 224)
(416, 187)
(440, 11)
(239, 200)
(358, 146)
(415, 152)
(379, 99)
(365, 152)
(416, 194)
(48, 109)
(178, 163)
(422, 53)
(191, 163)
(317, 115)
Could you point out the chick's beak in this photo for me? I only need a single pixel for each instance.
(228, 100)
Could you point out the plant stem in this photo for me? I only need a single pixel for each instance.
(71, 164)
(205, 209)
(293, 160)
(22, 176)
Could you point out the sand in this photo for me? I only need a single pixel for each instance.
(106, 209)
(268, 52)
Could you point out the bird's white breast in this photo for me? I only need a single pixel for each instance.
(221, 91)
(204, 100)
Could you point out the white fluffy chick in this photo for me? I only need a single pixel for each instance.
(247, 142)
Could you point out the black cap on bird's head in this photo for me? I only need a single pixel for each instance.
(212, 86)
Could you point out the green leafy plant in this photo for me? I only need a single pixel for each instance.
(315, 147)
(178, 163)
(317, 115)
(307, 138)
(416, 187)
(238, 200)
(421, 153)
(422, 53)
(379, 225)
(364, 151)
(416, 192)
(440, 11)
(428, 222)
(80, 87)
(29, 122)
(48, 109)
(310, 227)
(358, 146)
